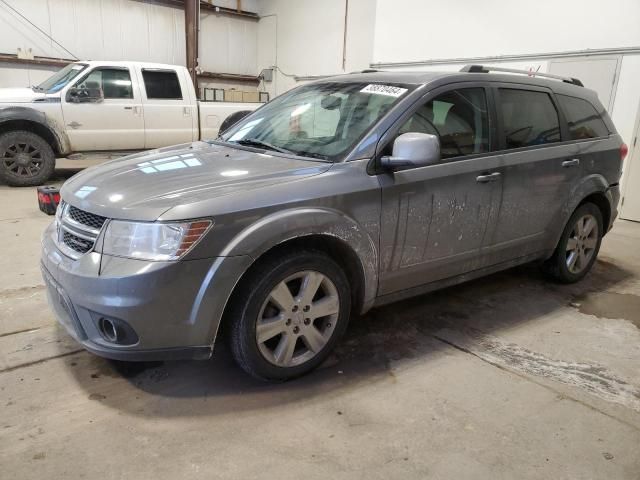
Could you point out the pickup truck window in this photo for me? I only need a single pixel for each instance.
(58, 80)
(322, 120)
(162, 84)
(114, 82)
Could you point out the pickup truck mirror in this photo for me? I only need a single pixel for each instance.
(411, 150)
(85, 95)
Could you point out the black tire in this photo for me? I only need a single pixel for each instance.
(232, 119)
(558, 265)
(26, 159)
(251, 298)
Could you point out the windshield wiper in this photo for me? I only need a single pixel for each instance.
(37, 88)
(312, 155)
(254, 142)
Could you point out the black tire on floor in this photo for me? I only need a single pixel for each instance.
(26, 159)
(253, 293)
(556, 266)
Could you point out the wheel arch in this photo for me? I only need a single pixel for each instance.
(319, 229)
(28, 119)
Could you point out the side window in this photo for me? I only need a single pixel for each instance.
(162, 84)
(529, 118)
(459, 118)
(114, 82)
(583, 119)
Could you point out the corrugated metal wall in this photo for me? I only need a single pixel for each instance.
(122, 30)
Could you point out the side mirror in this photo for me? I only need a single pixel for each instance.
(85, 95)
(411, 150)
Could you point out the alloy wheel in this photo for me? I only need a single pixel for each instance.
(23, 159)
(297, 319)
(581, 244)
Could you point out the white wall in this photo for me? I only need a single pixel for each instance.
(410, 30)
(124, 30)
(309, 36)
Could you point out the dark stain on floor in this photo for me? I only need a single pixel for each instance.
(625, 306)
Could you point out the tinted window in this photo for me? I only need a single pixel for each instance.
(529, 118)
(114, 82)
(162, 85)
(583, 119)
(459, 118)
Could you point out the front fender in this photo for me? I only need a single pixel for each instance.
(274, 229)
(28, 114)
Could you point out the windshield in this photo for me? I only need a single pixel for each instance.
(320, 121)
(59, 79)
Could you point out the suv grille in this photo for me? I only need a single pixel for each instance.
(85, 218)
(76, 243)
(77, 230)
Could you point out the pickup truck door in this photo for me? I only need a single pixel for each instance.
(116, 122)
(437, 219)
(170, 106)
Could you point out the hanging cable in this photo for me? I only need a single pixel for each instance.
(39, 29)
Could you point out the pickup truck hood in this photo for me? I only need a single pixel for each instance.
(145, 185)
(19, 95)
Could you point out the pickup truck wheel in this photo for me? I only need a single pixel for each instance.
(578, 246)
(26, 159)
(289, 314)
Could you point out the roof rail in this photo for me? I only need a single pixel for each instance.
(485, 69)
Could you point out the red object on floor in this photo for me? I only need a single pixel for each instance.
(48, 199)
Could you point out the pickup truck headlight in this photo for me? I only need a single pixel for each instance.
(153, 241)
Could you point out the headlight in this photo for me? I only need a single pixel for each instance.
(152, 241)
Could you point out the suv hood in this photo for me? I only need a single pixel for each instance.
(144, 186)
(19, 95)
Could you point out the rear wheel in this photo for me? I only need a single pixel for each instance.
(579, 245)
(289, 314)
(26, 159)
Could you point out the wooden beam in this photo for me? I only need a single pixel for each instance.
(43, 61)
(230, 77)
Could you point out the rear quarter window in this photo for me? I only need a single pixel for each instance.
(583, 119)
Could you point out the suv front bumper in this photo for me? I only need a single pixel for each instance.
(174, 308)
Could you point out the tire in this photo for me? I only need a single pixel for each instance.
(290, 330)
(232, 119)
(26, 159)
(568, 265)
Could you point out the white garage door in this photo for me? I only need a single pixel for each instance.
(598, 74)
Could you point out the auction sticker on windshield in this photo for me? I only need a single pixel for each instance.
(388, 90)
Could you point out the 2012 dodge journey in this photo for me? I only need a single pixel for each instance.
(336, 197)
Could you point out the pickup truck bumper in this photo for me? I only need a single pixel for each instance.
(167, 310)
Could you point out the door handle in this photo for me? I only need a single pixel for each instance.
(491, 177)
(128, 108)
(571, 163)
(186, 111)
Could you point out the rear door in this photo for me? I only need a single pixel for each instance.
(436, 219)
(538, 173)
(170, 112)
(115, 123)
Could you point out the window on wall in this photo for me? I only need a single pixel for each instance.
(529, 118)
(582, 118)
(459, 118)
(115, 83)
(162, 84)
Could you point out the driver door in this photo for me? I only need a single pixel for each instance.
(437, 219)
(114, 123)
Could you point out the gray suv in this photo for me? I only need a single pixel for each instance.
(339, 196)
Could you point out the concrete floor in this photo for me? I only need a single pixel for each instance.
(505, 377)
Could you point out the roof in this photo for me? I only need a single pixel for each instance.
(438, 78)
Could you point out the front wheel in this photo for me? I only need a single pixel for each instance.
(26, 159)
(288, 315)
(578, 246)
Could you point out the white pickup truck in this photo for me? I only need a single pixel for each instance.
(97, 106)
